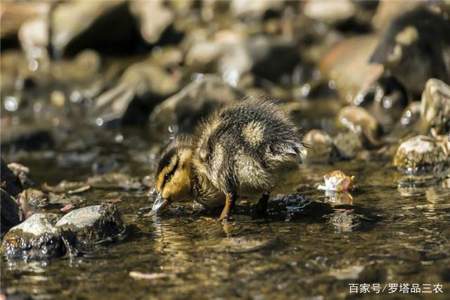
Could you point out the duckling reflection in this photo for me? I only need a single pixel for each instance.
(244, 149)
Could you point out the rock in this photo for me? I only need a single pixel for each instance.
(14, 14)
(34, 198)
(411, 114)
(359, 121)
(10, 183)
(389, 10)
(33, 37)
(85, 227)
(319, 146)
(203, 55)
(414, 48)
(194, 102)
(142, 86)
(349, 273)
(435, 106)
(348, 145)
(254, 9)
(226, 53)
(100, 25)
(420, 154)
(328, 11)
(153, 18)
(346, 66)
(385, 99)
(22, 172)
(35, 238)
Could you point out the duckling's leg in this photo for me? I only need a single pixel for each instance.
(229, 204)
(261, 206)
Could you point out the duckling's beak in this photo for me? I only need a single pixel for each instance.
(159, 204)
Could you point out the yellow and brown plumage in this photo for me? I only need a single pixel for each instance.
(240, 150)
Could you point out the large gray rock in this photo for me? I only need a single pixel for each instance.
(35, 238)
(85, 227)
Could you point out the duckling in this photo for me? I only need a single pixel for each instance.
(244, 149)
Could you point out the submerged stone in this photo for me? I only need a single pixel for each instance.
(35, 238)
(420, 154)
(85, 227)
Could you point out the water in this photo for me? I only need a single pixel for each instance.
(307, 247)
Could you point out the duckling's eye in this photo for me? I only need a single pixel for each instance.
(169, 174)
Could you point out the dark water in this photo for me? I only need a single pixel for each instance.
(308, 247)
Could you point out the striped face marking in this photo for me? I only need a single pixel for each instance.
(166, 169)
(173, 179)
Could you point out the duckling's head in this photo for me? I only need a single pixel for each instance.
(173, 176)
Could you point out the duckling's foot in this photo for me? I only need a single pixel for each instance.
(229, 204)
(261, 207)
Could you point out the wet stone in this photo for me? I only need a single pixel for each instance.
(35, 238)
(320, 146)
(411, 114)
(359, 121)
(22, 172)
(385, 99)
(85, 227)
(420, 154)
(34, 198)
(348, 145)
(435, 105)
